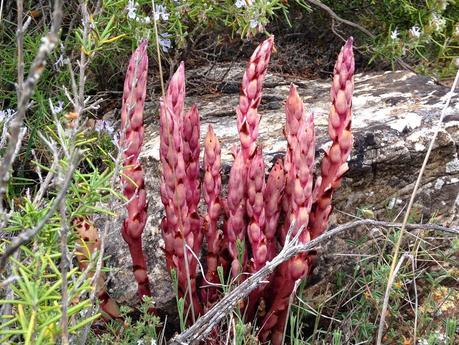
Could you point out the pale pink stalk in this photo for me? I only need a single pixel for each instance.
(295, 120)
(339, 128)
(190, 134)
(181, 225)
(212, 186)
(256, 210)
(135, 86)
(272, 198)
(235, 227)
(248, 117)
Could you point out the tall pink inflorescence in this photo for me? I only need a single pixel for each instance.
(135, 86)
(212, 185)
(248, 117)
(339, 128)
(190, 133)
(181, 226)
(256, 210)
(274, 192)
(236, 224)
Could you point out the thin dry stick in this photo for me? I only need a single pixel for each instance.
(408, 210)
(15, 134)
(203, 326)
(416, 302)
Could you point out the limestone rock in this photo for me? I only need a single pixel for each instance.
(393, 122)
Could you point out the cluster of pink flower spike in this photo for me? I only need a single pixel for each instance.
(248, 227)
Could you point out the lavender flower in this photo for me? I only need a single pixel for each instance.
(165, 42)
(104, 126)
(58, 108)
(160, 12)
(243, 3)
(253, 23)
(131, 8)
(240, 3)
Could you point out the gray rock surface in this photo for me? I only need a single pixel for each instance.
(393, 122)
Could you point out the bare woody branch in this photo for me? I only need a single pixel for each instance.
(27, 235)
(25, 92)
(208, 321)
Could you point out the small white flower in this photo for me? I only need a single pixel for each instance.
(253, 23)
(147, 20)
(415, 31)
(394, 34)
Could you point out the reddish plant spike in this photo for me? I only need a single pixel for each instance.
(212, 186)
(339, 128)
(272, 198)
(256, 210)
(295, 121)
(248, 117)
(235, 226)
(190, 134)
(87, 244)
(132, 180)
(181, 225)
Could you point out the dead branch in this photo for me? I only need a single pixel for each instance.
(208, 321)
(27, 235)
(25, 90)
(339, 19)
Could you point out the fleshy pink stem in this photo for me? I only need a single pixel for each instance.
(235, 227)
(339, 128)
(190, 134)
(256, 211)
(212, 186)
(248, 117)
(135, 86)
(273, 196)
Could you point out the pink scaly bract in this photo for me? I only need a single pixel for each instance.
(135, 86)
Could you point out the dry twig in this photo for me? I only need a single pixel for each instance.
(25, 90)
